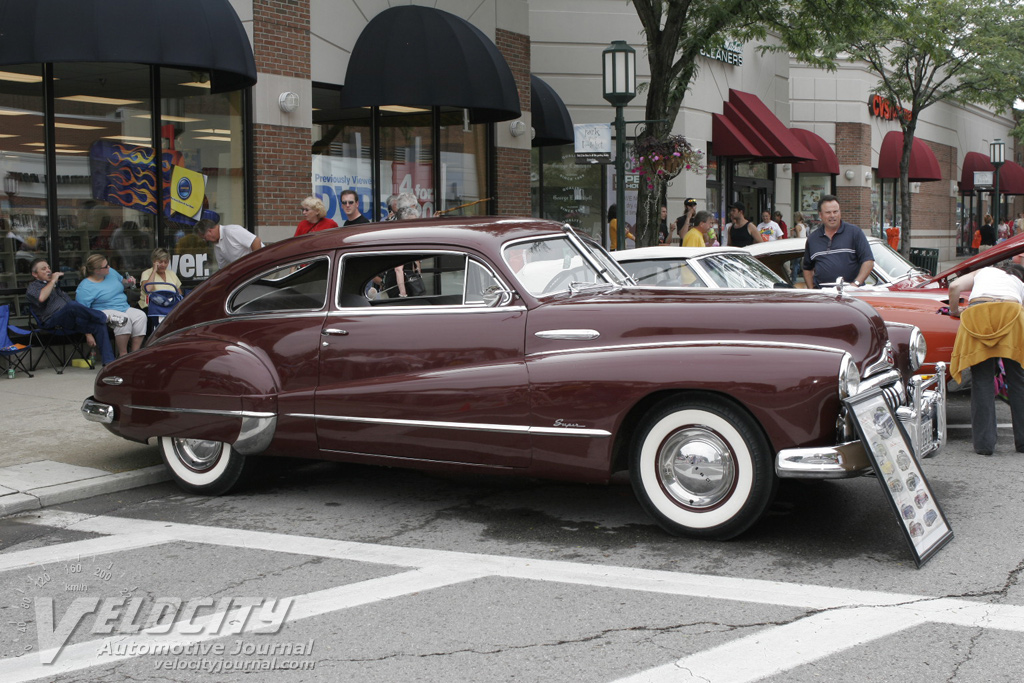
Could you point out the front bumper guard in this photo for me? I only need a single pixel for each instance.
(923, 417)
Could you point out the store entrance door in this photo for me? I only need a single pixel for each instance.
(755, 196)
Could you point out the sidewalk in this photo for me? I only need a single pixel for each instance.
(51, 454)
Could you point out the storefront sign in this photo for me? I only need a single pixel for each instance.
(905, 487)
(593, 143)
(883, 108)
(983, 179)
(730, 53)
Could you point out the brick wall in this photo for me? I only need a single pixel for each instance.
(281, 37)
(282, 173)
(853, 147)
(513, 165)
(282, 153)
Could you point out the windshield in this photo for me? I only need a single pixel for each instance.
(739, 271)
(550, 265)
(663, 273)
(890, 262)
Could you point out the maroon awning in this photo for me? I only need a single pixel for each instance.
(973, 161)
(748, 129)
(924, 167)
(825, 160)
(1011, 178)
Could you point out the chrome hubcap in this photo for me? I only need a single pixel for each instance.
(198, 455)
(696, 467)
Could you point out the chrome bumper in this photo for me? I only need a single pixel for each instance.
(94, 411)
(923, 417)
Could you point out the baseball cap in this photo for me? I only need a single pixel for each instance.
(738, 205)
(690, 202)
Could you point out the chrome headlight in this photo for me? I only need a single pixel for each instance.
(849, 377)
(918, 349)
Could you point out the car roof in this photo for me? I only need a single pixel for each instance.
(1000, 252)
(658, 253)
(777, 246)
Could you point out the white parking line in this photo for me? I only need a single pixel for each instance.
(840, 613)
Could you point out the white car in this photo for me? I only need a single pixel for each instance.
(890, 267)
(710, 267)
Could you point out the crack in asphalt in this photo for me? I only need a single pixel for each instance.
(655, 630)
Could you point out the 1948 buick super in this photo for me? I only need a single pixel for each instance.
(526, 350)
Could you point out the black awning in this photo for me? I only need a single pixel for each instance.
(205, 35)
(423, 57)
(551, 121)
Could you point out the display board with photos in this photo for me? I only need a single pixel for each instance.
(892, 454)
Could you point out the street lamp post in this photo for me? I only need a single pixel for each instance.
(619, 71)
(997, 155)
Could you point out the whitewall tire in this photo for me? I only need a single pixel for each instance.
(200, 466)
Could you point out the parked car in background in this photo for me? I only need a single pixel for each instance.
(530, 352)
(897, 290)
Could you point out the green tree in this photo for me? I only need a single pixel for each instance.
(929, 51)
(676, 31)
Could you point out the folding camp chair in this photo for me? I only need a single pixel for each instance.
(53, 340)
(14, 353)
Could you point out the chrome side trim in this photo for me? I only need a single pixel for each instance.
(573, 335)
(204, 411)
(113, 381)
(701, 343)
(94, 411)
(423, 310)
(468, 426)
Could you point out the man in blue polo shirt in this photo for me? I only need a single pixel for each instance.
(836, 250)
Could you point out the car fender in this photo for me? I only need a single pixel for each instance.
(790, 389)
(196, 387)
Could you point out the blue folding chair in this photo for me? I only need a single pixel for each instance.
(52, 340)
(14, 353)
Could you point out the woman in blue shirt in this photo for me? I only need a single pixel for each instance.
(103, 289)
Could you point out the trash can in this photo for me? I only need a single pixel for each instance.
(925, 259)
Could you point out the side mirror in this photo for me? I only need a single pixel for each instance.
(495, 296)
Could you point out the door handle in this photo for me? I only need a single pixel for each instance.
(330, 331)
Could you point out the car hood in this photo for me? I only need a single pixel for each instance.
(639, 315)
(1000, 252)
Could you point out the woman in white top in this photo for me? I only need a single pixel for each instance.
(992, 328)
(799, 226)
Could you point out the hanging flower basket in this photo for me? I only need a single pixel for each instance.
(664, 158)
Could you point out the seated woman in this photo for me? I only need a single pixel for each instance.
(103, 289)
(158, 277)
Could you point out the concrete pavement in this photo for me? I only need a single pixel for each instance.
(50, 454)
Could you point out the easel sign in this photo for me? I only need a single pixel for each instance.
(892, 454)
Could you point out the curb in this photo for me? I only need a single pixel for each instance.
(33, 499)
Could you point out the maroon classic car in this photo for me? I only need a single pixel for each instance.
(527, 351)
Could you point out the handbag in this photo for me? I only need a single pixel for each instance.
(413, 280)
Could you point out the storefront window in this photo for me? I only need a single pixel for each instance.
(810, 188)
(406, 157)
(341, 153)
(463, 156)
(752, 169)
(565, 191)
(23, 218)
(105, 179)
(202, 143)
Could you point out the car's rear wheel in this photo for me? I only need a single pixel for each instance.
(702, 467)
(201, 466)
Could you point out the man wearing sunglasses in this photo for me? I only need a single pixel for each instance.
(350, 204)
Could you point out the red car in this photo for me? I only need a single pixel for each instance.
(529, 352)
(913, 297)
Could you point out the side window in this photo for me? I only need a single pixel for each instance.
(292, 287)
(413, 279)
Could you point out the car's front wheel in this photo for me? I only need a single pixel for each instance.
(208, 468)
(702, 467)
